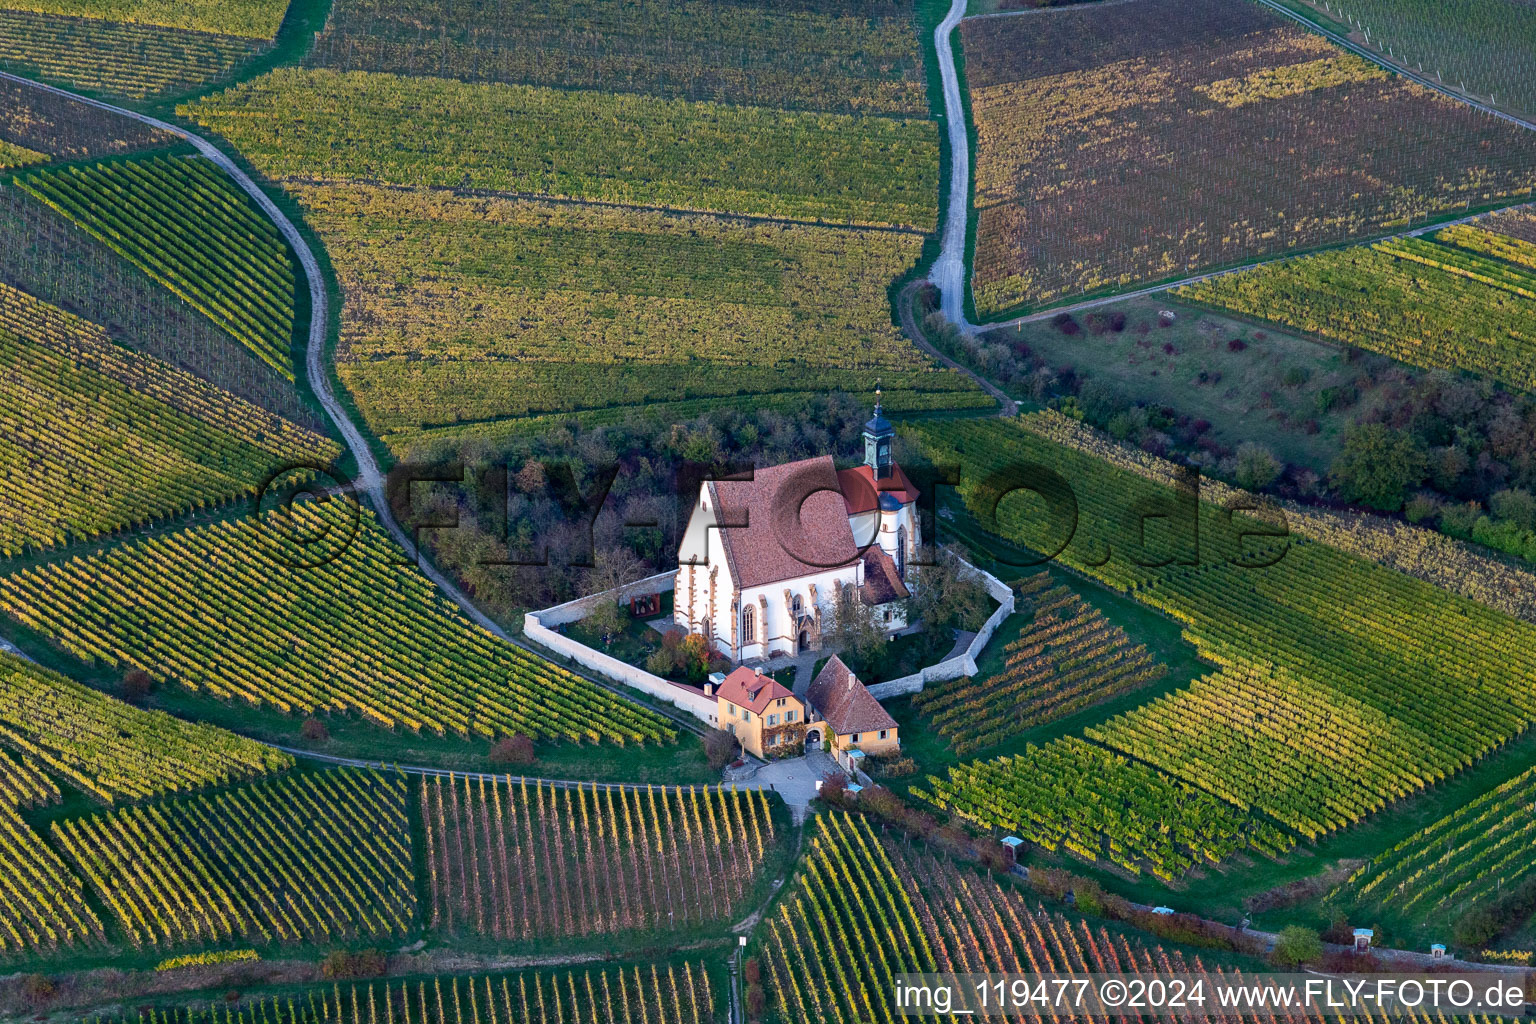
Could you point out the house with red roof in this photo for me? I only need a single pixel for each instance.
(846, 719)
(766, 718)
(764, 557)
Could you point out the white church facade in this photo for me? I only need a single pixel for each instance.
(762, 561)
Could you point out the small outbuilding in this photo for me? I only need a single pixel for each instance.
(1437, 951)
(1363, 937)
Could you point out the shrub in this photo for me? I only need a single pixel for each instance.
(1256, 467)
(719, 748)
(136, 686)
(363, 963)
(752, 971)
(37, 989)
(1296, 946)
(314, 730)
(1067, 324)
(514, 749)
(1236, 345)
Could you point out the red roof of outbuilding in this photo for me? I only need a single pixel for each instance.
(846, 704)
(748, 688)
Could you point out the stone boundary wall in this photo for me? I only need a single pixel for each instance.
(964, 663)
(539, 627)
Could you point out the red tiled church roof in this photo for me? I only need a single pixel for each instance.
(786, 522)
(861, 492)
(747, 688)
(846, 704)
(882, 582)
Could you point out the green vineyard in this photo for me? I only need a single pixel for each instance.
(471, 309)
(67, 129)
(648, 994)
(1308, 756)
(113, 750)
(42, 905)
(848, 56)
(1098, 805)
(1485, 46)
(928, 915)
(517, 862)
(98, 437)
(1466, 860)
(234, 609)
(256, 19)
(13, 156)
(317, 857)
(187, 226)
(136, 61)
(1067, 658)
(22, 783)
(1429, 682)
(56, 262)
(379, 128)
(1454, 307)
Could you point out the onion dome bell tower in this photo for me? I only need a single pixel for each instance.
(878, 436)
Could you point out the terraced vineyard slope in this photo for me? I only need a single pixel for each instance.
(1428, 682)
(316, 857)
(118, 58)
(516, 861)
(1066, 658)
(511, 308)
(186, 225)
(1465, 862)
(98, 437)
(251, 608)
(113, 750)
(1127, 143)
(678, 993)
(1463, 300)
(845, 56)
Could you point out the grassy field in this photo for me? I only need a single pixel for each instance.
(511, 138)
(851, 56)
(1268, 387)
(1122, 144)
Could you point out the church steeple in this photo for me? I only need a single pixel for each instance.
(878, 435)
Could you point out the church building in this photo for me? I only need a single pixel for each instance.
(762, 561)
